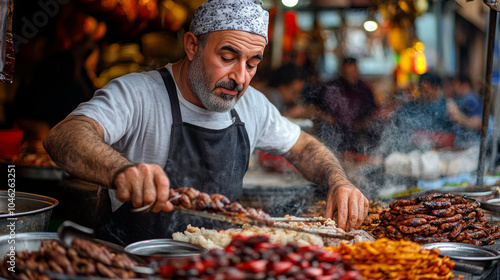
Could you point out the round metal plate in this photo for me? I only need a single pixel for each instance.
(465, 252)
(469, 191)
(492, 205)
(164, 248)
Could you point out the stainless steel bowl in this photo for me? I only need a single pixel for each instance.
(31, 212)
(164, 249)
(32, 241)
(26, 241)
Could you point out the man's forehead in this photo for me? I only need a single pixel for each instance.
(238, 40)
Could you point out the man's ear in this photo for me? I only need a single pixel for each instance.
(190, 45)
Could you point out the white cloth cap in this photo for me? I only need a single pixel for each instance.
(243, 15)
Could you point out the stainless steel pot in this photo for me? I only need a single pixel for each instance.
(30, 212)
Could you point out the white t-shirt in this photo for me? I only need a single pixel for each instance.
(135, 112)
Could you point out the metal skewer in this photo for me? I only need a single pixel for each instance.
(146, 207)
(238, 219)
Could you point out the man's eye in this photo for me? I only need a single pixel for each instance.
(250, 66)
(226, 59)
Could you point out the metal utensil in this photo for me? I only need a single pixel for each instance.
(241, 219)
(69, 230)
(297, 219)
(492, 205)
(146, 207)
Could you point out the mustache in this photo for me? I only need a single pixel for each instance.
(231, 85)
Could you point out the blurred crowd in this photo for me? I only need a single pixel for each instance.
(435, 112)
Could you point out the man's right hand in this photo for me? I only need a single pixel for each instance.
(143, 184)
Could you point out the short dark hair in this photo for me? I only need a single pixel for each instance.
(462, 78)
(349, 60)
(285, 75)
(432, 78)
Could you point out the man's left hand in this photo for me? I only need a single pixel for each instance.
(349, 203)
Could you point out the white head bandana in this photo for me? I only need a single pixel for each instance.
(243, 15)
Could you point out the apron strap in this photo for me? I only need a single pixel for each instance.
(172, 95)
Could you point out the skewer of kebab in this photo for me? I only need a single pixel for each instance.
(217, 206)
(193, 199)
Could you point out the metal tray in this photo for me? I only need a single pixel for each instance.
(164, 248)
(471, 191)
(492, 205)
(463, 252)
(31, 241)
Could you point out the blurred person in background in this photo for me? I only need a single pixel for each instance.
(414, 121)
(285, 91)
(465, 110)
(346, 107)
(449, 87)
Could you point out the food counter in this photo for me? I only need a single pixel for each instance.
(297, 196)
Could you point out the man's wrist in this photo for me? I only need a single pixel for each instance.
(118, 172)
(336, 183)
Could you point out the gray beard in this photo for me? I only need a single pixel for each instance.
(198, 81)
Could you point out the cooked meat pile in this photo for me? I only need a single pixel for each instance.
(191, 198)
(256, 258)
(387, 259)
(373, 218)
(53, 257)
(436, 218)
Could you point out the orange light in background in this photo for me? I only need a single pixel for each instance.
(405, 61)
(419, 61)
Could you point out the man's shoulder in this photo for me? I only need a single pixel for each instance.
(140, 79)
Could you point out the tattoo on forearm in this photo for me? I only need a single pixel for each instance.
(319, 165)
(82, 152)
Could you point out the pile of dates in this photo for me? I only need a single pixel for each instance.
(256, 258)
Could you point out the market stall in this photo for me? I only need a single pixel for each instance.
(275, 231)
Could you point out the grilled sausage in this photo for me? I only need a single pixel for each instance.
(413, 222)
(456, 230)
(424, 229)
(417, 216)
(440, 221)
(426, 239)
(437, 203)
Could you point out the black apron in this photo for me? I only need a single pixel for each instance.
(211, 161)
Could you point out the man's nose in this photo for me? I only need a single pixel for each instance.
(238, 73)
